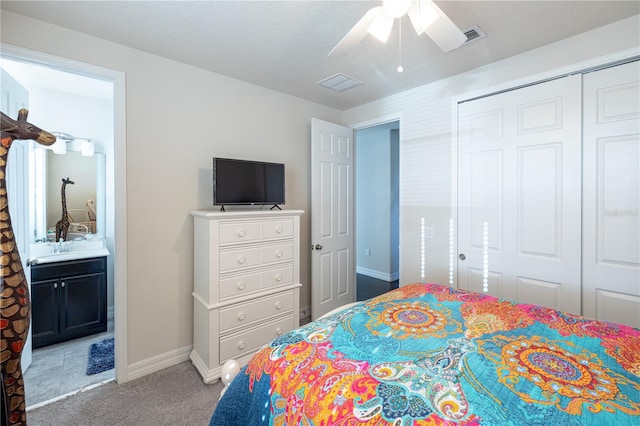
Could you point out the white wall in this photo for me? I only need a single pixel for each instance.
(428, 117)
(178, 118)
(376, 227)
(80, 116)
(394, 205)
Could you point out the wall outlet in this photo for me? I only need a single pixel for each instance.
(367, 252)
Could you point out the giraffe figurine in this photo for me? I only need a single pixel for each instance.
(15, 306)
(62, 226)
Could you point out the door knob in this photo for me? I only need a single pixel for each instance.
(318, 247)
(461, 256)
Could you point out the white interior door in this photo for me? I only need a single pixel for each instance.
(611, 262)
(332, 218)
(14, 97)
(519, 171)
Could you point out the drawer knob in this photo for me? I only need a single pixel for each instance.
(279, 230)
(241, 316)
(279, 305)
(278, 277)
(241, 345)
(241, 233)
(278, 331)
(241, 260)
(279, 253)
(241, 286)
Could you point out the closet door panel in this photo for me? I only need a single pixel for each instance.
(611, 230)
(519, 157)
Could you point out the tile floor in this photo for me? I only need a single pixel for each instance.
(61, 369)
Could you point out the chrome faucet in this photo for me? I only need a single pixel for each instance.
(60, 246)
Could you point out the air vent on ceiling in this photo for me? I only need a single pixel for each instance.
(339, 82)
(474, 33)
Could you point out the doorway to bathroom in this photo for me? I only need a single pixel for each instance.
(84, 105)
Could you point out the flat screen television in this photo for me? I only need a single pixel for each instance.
(244, 182)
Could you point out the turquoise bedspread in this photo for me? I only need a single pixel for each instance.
(427, 354)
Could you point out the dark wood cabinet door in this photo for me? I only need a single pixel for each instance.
(45, 302)
(83, 300)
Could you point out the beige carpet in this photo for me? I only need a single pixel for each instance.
(173, 396)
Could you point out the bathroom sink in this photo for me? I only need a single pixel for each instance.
(42, 253)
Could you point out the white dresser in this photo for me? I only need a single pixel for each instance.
(246, 284)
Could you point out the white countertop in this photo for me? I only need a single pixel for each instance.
(43, 252)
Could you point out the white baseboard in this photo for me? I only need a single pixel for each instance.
(385, 276)
(158, 362)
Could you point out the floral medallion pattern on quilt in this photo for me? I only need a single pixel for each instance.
(427, 354)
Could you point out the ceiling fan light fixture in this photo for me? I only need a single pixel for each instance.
(422, 15)
(381, 26)
(396, 8)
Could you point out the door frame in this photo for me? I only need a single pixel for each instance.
(117, 203)
(552, 74)
(384, 119)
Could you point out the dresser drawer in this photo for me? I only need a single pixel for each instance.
(252, 340)
(276, 277)
(276, 253)
(240, 258)
(276, 229)
(239, 232)
(237, 286)
(245, 313)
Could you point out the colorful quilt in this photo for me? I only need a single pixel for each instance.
(427, 354)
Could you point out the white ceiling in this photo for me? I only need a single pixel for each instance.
(31, 75)
(283, 45)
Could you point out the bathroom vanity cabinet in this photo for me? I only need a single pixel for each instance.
(69, 300)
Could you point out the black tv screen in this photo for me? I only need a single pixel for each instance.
(243, 182)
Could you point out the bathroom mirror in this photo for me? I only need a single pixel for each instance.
(85, 198)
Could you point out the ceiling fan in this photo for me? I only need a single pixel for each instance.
(426, 17)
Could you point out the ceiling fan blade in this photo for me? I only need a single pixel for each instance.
(356, 34)
(444, 32)
(382, 24)
(422, 15)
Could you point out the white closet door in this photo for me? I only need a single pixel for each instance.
(611, 261)
(519, 171)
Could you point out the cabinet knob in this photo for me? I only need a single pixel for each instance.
(279, 305)
(279, 230)
(278, 331)
(55, 285)
(241, 286)
(279, 253)
(241, 316)
(63, 284)
(241, 233)
(241, 260)
(241, 345)
(278, 277)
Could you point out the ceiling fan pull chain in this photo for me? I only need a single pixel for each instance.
(400, 68)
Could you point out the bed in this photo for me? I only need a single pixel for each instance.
(427, 354)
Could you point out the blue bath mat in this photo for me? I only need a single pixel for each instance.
(100, 357)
